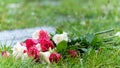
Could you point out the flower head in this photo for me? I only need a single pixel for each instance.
(117, 34)
(45, 44)
(72, 53)
(24, 56)
(30, 43)
(36, 34)
(33, 52)
(60, 37)
(54, 57)
(44, 35)
(5, 54)
(18, 50)
(44, 56)
(40, 34)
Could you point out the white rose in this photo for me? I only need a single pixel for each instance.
(18, 50)
(35, 35)
(60, 37)
(117, 34)
(44, 56)
(24, 56)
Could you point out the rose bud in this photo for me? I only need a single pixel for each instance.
(55, 57)
(72, 53)
(5, 54)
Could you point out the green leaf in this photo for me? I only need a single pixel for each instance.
(61, 46)
(90, 38)
(59, 30)
(84, 49)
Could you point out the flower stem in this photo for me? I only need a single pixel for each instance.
(109, 38)
(106, 31)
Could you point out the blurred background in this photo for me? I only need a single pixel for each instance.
(80, 16)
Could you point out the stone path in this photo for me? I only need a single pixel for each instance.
(13, 36)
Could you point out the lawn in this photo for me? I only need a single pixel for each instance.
(76, 17)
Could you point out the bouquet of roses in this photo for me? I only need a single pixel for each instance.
(42, 47)
(46, 48)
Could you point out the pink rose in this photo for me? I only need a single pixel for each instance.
(44, 35)
(30, 43)
(33, 52)
(45, 44)
(72, 53)
(54, 57)
(5, 54)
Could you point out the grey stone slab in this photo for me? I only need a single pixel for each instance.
(10, 37)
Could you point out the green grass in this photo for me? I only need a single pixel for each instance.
(65, 14)
(74, 16)
(104, 58)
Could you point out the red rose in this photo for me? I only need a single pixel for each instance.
(44, 35)
(54, 57)
(33, 52)
(5, 54)
(45, 44)
(72, 53)
(30, 43)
